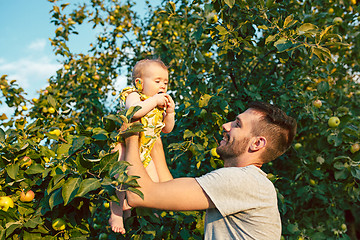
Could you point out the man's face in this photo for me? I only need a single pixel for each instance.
(237, 135)
(155, 79)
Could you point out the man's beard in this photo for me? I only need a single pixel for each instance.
(233, 149)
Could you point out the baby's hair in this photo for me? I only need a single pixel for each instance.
(140, 65)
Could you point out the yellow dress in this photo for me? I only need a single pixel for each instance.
(153, 124)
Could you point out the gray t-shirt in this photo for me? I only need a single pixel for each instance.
(246, 204)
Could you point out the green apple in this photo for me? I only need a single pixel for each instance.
(343, 227)
(333, 122)
(103, 236)
(337, 21)
(58, 224)
(297, 146)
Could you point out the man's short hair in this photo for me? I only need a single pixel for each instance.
(140, 66)
(278, 128)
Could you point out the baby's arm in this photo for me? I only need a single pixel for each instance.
(169, 119)
(147, 105)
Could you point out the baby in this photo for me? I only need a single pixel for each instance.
(157, 114)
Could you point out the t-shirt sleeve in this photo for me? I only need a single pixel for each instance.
(231, 189)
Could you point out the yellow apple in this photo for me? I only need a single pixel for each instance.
(355, 147)
(51, 110)
(317, 103)
(26, 162)
(6, 203)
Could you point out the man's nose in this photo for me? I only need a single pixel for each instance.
(227, 126)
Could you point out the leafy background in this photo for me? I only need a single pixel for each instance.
(222, 54)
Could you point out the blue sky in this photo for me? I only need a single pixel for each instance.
(25, 51)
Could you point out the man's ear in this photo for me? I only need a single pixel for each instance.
(258, 143)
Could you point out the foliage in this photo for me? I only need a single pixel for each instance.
(222, 54)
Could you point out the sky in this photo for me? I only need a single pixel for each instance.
(25, 51)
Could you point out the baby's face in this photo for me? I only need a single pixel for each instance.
(155, 79)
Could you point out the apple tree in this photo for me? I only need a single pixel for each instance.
(299, 55)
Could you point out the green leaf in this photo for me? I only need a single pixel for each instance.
(306, 27)
(35, 169)
(108, 160)
(230, 3)
(12, 170)
(88, 185)
(100, 137)
(70, 189)
(114, 118)
(55, 199)
(51, 100)
(204, 100)
(11, 226)
(131, 112)
(270, 39)
(63, 149)
(2, 135)
(222, 30)
(118, 168)
(33, 222)
(199, 57)
(334, 139)
(77, 143)
(188, 133)
(322, 53)
(342, 174)
(288, 20)
(32, 236)
(172, 5)
(283, 44)
(355, 172)
(136, 191)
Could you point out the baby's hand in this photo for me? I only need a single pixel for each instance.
(161, 100)
(170, 104)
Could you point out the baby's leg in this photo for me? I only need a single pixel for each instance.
(151, 170)
(116, 219)
(158, 156)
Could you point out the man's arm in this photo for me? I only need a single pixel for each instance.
(179, 194)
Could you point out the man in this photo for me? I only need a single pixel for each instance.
(241, 202)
